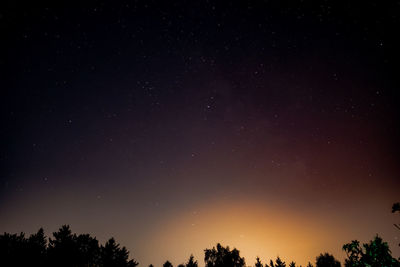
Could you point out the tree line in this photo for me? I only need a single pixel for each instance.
(66, 249)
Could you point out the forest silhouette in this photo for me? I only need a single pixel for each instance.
(67, 249)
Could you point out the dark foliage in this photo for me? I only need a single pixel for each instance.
(326, 260)
(64, 249)
(271, 263)
(167, 264)
(111, 255)
(279, 262)
(191, 262)
(258, 263)
(17, 250)
(376, 253)
(223, 257)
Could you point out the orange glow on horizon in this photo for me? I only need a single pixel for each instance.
(254, 229)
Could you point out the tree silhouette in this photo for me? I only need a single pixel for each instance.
(191, 262)
(66, 249)
(279, 262)
(88, 250)
(326, 260)
(167, 264)
(114, 256)
(354, 254)
(12, 246)
(258, 263)
(37, 248)
(223, 257)
(17, 250)
(376, 253)
(63, 249)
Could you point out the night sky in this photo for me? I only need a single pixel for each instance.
(269, 126)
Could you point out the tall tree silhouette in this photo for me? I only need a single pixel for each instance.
(258, 263)
(88, 250)
(354, 254)
(376, 253)
(67, 249)
(326, 260)
(16, 250)
(37, 248)
(13, 249)
(191, 262)
(292, 264)
(223, 257)
(63, 250)
(279, 262)
(114, 256)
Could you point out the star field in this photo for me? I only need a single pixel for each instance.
(266, 125)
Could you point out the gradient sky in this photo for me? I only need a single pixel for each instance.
(267, 126)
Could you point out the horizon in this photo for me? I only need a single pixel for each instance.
(266, 251)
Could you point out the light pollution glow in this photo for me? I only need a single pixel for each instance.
(263, 230)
